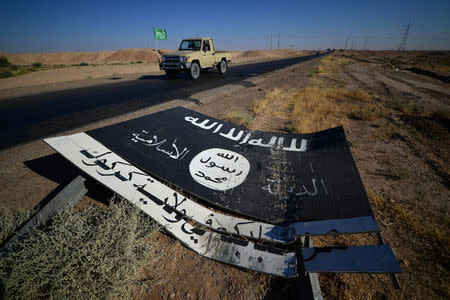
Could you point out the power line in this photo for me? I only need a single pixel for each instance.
(278, 41)
(404, 39)
(365, 44)
(346, 42)
(270, 41)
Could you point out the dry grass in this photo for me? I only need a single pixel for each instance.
(239, 118)
(366, 114)
(93, 253)
(316, 108)
(332, 64)
(440, 114)
(259, 106)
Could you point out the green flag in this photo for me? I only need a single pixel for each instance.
(159, 33)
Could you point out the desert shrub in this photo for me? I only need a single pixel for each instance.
(4, 62)
(83, 64)
(406, 107)
(5, 74)
(87, 254)
(10, 221)
(37, 65)
(139, 62)
(356, 94)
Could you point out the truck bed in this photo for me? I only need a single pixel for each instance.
(218, 55)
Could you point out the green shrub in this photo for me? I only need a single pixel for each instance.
(139, 62)
(87, 254)
(37, 65)
(83, 64)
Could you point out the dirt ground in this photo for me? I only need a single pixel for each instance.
(402, 156)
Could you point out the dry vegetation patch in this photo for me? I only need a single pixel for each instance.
(92, 253)
(239, 118)
(10, 220)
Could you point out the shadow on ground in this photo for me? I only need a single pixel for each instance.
(57, 169)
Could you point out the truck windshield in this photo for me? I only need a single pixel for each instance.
(191, 45)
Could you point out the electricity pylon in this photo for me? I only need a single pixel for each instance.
(405, 37)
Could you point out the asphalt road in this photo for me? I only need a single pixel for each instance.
(23, 119)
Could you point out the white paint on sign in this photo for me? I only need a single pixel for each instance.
(274, 142)
(219, 169)
(152, 140)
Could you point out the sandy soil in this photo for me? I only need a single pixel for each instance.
(104, 66)
(402, 158)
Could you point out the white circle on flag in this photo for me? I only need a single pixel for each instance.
(219, 169)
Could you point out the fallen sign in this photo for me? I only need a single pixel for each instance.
(213, 245)
(126, 168)
(270, 177)
(93, 155)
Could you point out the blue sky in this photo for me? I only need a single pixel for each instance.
(43, 26)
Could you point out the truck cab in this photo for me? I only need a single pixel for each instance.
(195, 55)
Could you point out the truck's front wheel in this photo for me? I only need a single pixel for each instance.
(194, 71)
(171, 74)
(222, 66)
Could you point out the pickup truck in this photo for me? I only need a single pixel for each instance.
(194, 56)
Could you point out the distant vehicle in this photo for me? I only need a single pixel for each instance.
(194, 56)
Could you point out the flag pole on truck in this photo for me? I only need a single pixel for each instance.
(159, 34)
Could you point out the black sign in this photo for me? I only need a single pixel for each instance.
(273, 177)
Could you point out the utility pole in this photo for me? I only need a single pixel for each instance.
(346, 42)
(405, 37)
(278, 41)
(270, 41)
(365, 44)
